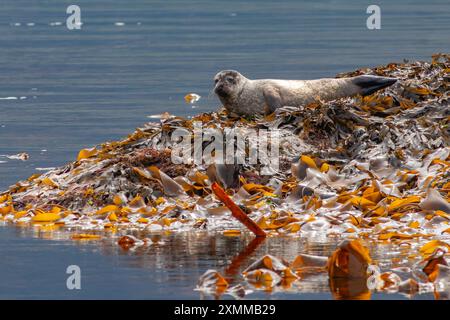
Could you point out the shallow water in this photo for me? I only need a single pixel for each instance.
(167, 269)
(65, 90)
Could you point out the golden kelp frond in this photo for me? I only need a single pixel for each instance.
(432, 262)
(42, 216)
(212, 282)
(430, 247)
(350, 260)
(86, 236)
(87, 153)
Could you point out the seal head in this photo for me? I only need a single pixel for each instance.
(228, 84)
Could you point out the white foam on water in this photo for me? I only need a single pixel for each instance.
(8, 98)
(31, 24)
(56, 23)
(119, 24)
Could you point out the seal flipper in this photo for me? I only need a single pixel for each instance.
(369, 84)
(272, 99)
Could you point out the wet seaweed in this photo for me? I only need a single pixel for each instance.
(374, 168)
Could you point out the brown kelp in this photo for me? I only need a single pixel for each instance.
(374, 168)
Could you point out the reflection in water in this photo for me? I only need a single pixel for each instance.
(176, 261)
(354, 289)
(233, 268)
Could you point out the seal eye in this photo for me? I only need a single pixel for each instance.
(229, 79)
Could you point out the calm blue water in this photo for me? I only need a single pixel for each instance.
(68, 89)
(36, 263)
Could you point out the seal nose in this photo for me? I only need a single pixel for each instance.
(219, 90)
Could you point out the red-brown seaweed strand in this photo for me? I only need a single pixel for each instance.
(236, 211)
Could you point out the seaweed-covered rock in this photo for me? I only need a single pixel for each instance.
(374, 167)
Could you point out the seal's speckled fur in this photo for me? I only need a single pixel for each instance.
(248, 97)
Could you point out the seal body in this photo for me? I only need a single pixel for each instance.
(243, 96)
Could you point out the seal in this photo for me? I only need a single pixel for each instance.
(243, 96)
